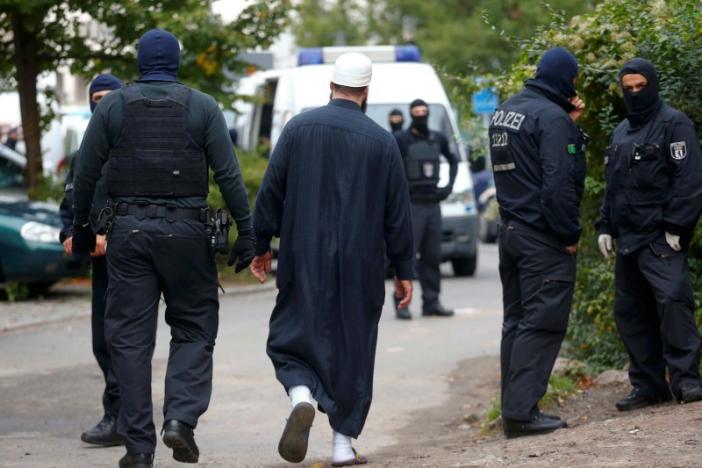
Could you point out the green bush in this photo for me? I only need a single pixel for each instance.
(49, 189)
(669, 33)
(253, 167)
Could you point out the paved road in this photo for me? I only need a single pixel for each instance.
(50, 385)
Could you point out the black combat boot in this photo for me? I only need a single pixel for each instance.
(691, 392)
(537, 424)
(104, 433)
(137, 460)
(436, 310)
(179, 437)
(638, 399)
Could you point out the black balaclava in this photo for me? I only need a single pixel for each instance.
(396, 126)
(420, 123)
(101, 83)
(158, 56)
(644, 104)
(557, 69)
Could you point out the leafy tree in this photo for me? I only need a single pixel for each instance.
(40, 36)
(669, 33)
(460, 36)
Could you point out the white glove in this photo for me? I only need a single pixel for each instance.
(604, 241)
(673, 241)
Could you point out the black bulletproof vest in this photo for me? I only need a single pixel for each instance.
(155, 156)
(422, 165)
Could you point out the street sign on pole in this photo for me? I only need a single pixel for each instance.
(485, 101)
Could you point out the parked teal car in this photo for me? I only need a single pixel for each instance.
(30, 251)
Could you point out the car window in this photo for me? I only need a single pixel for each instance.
(10, 174)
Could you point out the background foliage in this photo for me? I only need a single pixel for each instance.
(669, 33)
(94, 36)
(458, 36)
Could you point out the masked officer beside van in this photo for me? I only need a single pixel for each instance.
(421, 151)
(396, 120)
(653, 170)
(105, 432)
(538, 160)
(160, 137)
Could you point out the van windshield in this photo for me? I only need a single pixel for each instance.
(438, 120)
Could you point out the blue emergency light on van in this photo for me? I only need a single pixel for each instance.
(322, 55)
(407, 53)
(310, 56)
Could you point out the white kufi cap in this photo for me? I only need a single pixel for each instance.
(352, 69)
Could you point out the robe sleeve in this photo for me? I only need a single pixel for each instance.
(271, 196)
(398, 221)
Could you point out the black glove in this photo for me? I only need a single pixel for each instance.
(242, 251)
(444, 192)
(83, 242)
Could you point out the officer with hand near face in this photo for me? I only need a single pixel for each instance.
(538, 159)
(653, 171)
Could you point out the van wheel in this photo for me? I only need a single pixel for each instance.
(465, 266)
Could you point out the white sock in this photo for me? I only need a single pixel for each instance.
(300, 394)
(341, 448)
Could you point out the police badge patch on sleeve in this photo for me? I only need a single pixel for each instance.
(678, 150)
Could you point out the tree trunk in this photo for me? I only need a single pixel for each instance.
(27, 66)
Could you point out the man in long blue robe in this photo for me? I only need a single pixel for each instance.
(335, 193)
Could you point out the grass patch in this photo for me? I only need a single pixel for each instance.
(17, 292)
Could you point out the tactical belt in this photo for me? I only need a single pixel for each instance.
(170, 212)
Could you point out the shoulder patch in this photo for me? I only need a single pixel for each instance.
(571, 148)
(678, 150)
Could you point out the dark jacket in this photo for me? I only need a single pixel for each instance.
(538, 159)
(405, 138)
(206, 125)
(654, 181)
(336, 195)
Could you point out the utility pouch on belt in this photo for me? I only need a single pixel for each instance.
(103, 221)
(218, 231)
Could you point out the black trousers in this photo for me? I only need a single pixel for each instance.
(654, 311)
(426, 225)
(147, 258)
(538, 279)
(110, 396)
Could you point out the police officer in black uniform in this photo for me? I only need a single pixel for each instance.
(160, 137)
(538, 160)
(105, 432)
(421, 151)
(653, 170)
(396, 120)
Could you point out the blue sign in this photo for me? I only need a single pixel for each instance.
(485, 101)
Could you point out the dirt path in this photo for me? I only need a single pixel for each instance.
(447, 436)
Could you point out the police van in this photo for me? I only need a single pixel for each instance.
(399, 77)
